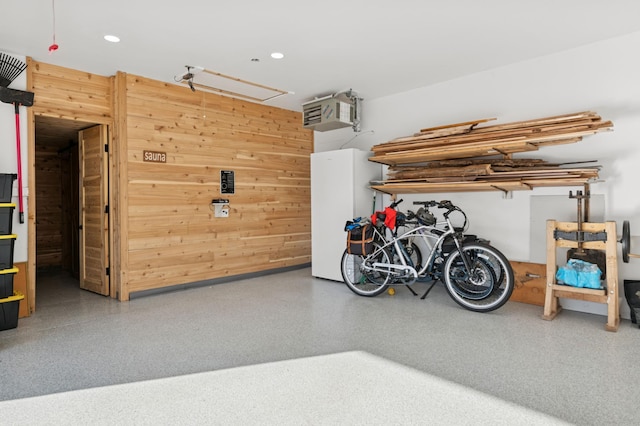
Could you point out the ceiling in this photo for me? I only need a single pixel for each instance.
(376, 48)
(57, 134)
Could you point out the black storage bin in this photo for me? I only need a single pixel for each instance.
(632, 294)
(9, 311)
(6, 218)
(6, 282)
(6, 186)
(7, 242)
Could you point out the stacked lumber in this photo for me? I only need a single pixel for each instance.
(455, 157)
(485, 175)
(466, 140)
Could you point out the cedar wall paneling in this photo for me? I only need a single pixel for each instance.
(173, 235)
(73, 95)
(48, 207)
(70, 199)
(57, 208)
(66, 93)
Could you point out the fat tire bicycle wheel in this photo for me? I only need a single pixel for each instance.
(490, 283)
(359, 280)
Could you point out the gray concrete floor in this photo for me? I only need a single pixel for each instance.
(569, 368)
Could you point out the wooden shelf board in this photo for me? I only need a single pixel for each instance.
(559, 288)
(473, 186)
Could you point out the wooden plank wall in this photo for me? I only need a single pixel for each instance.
(70, 210)
(165, 232)
(61, 93)
(56, 173)
(70, 94)
(49, 207)
(20, 285)
(173, 236)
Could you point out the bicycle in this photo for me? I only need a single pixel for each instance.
(476, 275)
(409, 247)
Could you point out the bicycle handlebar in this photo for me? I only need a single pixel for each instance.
(425, 203)
(444, 204)
(395, 203)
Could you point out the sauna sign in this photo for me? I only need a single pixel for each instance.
(154, 157)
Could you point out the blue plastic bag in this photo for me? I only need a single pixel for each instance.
(578, 273)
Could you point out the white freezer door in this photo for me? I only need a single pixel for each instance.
(331, 206)
(339, 192)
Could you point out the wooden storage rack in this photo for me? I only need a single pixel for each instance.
(463, 157)
(609, 295)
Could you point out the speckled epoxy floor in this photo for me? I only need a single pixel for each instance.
(568, 368)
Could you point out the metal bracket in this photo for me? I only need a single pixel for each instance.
(505, 192)
(580, 236)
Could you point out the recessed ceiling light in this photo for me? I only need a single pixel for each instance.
(112, 38)
(277, 55)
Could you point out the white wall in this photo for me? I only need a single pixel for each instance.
(603, 77)
(9, 163)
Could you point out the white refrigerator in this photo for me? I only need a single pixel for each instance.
(339, 192)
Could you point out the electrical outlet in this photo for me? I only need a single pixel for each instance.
(221, 207)
(221, 210)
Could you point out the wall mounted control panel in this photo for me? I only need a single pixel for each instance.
(220, 207)
(227, 185)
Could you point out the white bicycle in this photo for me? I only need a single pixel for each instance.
(476, 275)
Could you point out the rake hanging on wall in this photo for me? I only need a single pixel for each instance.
(10, 68)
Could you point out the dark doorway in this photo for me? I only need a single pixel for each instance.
(56, 192)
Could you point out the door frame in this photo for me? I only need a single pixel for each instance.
(108, 105)
(31, 115)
